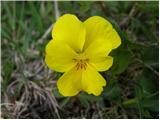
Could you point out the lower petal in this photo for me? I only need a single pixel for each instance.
(70, 82)
(92, 81)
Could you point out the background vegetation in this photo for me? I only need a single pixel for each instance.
(28, 87)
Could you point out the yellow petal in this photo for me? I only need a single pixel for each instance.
(97, 53)
(59, 57)
(102, 64)
(70, 82)
(70, 30)
(114, 37)
(92, 81)
(98, 48)
(98, 27)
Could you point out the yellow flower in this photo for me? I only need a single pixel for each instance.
(81, 49)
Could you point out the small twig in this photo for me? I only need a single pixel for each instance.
(54, 102)
(8, 104)
(99, 111)
(131, 14)
(57, 14)
(10, 86)
(149, 67)
(44, 36)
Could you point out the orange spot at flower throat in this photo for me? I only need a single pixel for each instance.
(81, 63)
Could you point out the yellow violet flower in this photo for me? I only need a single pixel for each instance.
(80, 50)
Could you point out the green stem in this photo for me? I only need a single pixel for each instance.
(130, 102)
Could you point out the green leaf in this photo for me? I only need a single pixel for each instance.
(83, 100)
(148, 83)
(151, 104)
(57, 94)
(112, 92)
(64, 101)
(7, 69)
(122, 59)
(85, 6)
(86, 99)
(36, 18)
(150, 55)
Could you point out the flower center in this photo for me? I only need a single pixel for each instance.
(81, 61)
(81, 64)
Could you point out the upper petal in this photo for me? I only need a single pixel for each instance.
(59, 57)
(98, 48)
(98, 27)
(70, 82)
(70, 30)
(92, 81)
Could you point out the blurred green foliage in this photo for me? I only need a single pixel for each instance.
(133, 80)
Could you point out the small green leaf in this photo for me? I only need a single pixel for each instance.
(7, 69)
(85, 6)
(86, 99)
(64, 101)
(147, 82)
(112, 92)
(151, 104)
(150, 55)
(122, 59)
(57, 94)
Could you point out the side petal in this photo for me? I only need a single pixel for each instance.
(59, 57)
(92, 81)
(97, 53)
(98, 27)
(102, 64)
(70, 30)
(70, 82)
(114, 37)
